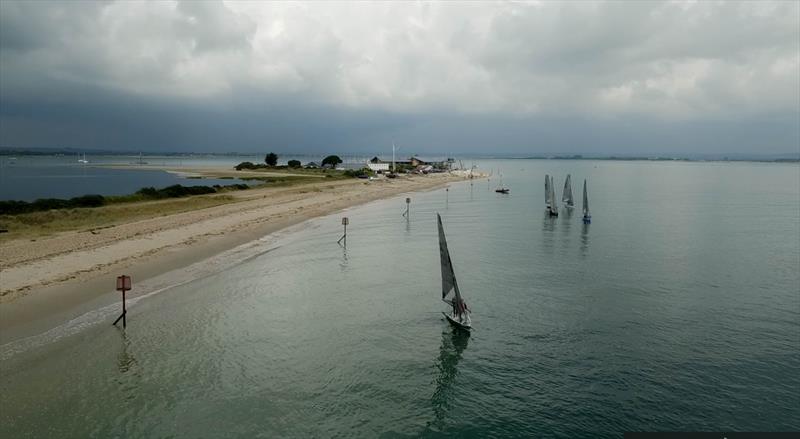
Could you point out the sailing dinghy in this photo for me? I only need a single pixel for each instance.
(587, 216)
(501, 189)
(547, 192)
(459, 315)
(566, 198)
(552, 207)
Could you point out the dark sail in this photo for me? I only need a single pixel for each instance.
(449, 283)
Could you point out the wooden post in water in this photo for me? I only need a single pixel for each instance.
(408, 203)
(123, 284)
(345, 222)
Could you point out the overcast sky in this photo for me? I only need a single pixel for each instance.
(630, 77)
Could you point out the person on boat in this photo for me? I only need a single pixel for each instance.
(459, 309)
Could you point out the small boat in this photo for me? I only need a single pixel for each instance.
(83, 160)
(459, 317)
(566, 198)
(502, 189)
(587, 216)
(552, 207)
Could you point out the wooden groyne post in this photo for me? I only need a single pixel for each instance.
(123, 284)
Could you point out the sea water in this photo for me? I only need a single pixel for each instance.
(27, 178)
(677, 308)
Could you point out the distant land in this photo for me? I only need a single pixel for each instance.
(733, 157)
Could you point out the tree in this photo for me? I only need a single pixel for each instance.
(294, 163)
(332, 160)
(271, 159)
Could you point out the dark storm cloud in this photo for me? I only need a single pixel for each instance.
(617, 77)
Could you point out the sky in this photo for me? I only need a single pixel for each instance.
(518, 78)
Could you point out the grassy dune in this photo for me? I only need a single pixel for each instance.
(37, 224)
(127, 208)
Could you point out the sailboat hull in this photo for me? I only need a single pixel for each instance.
(456, 323)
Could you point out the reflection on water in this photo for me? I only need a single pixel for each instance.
(343, 263)
(125, 360)
(565, 225)
(453, 344)
(548, 229)
(585, 239)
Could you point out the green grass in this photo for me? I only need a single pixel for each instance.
(120, 209)
(38, 224)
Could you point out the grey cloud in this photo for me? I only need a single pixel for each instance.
(538, 77)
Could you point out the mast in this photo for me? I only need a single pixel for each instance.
(448, 276)
(392, 157)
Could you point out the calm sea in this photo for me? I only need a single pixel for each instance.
(678, 308)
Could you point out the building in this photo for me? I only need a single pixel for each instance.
(378, 167)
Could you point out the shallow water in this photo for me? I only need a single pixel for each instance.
(678, 308)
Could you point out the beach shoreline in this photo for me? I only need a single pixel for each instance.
(52, 280)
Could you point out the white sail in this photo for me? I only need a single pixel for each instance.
(449, 283)
(585, 200)
(567, 196)
(547, 190)
(554, 205)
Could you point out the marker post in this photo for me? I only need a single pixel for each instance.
(345, 222)
(123, 284)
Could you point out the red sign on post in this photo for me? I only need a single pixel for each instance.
(123, 283)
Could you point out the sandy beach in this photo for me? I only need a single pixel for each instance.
(43, 278)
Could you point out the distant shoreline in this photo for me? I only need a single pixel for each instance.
(767, 158)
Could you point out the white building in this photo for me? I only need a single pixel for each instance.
(375, 167)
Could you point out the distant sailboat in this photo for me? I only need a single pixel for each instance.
(552, 206)
(502, 189)
(459, 316)
(587, 216)
(83, 160)
(547, 191)
(567, 196)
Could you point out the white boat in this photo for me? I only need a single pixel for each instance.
(587, 216)
(460, 313)
(552, 206)
(547, 191)
(566, 198)
(83, 160)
